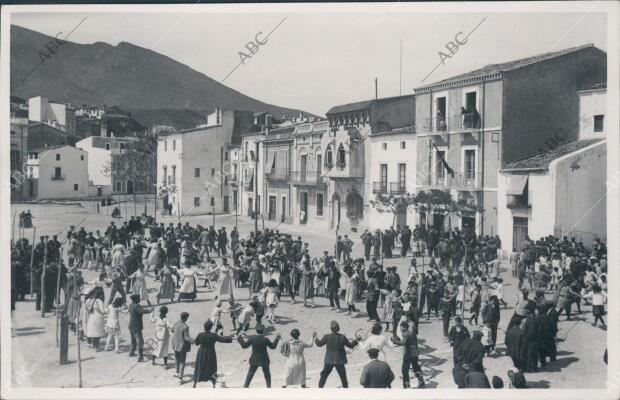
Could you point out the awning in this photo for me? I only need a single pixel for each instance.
(516, 185)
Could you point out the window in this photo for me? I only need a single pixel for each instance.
(57, 173)
(75, 187)
(319, 163)
(341, 161)
(196, 172)
(82, 158)
(225, 156)
(225, 180)
(196, 201)
(403, 145)
(319, 204)
(174, 145)
(165, 173)
(107, 146)
(165, 145)
(329, 161)
(440, 114)
(470, 164)
(174, 174)
(122, 146)
(119, 186)
(212, 201)
(599, 123)
(383, 168)
(384, 146)
(212, 172)
(402, 176)
(441, 171)
(57, 157)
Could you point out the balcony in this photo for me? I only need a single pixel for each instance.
(518, 203)
(470, 120)
(397, 188)
(58, 177)
(277, 174)
(441, 124)
(379, 188)
(307, 179)
(345, 171)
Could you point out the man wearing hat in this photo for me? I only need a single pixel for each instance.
(335, 354)
(472, 352)
(491, 316)
(376, 374)
(457, 335)
(136, 311)
(367, 241)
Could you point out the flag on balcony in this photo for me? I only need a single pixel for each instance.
(444, 162)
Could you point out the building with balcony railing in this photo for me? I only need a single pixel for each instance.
(393, 172)
(471, 125)
(57, 173)
(198, 162)
(310, 186)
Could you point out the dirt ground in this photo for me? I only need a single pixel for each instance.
(35, 355)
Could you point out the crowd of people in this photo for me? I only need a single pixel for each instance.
(462, 277)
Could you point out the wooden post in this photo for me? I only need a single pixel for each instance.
(43, 277)
(64, 335)
(77, 328)
(34, 233)
(13, 229)
(179, 210)
(58, 294)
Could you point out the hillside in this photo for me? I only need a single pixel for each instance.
(152, 85)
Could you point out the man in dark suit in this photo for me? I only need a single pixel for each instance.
(136, 311)
(409, 342)
(335, 354)
(259, 357)
(515, 346)
(472, 351)
(181, 344)
(457, 335)
(376, 374)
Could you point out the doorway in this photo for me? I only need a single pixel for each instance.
(303, 208)
(226, 207)
(250, 207)
(438, 222)
(129, 187)
(272, 208)
(468, 223)
(519, 231)
(335, 211)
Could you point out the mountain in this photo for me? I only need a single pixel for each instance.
(154, 87)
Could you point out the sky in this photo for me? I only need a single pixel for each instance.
(326, 56)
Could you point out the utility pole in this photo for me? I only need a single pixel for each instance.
(43, 278)
(34, 235)
(77, 327)
(256, 191)
(213, 215)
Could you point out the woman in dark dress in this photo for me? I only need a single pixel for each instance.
(206, 359)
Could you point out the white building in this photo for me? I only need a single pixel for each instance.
(310, 188)
(192, 167)
(592, 108)
(561, 191)
(393, 173)
(40, 109)
(58, 173)
(251, 174)
(100, 157)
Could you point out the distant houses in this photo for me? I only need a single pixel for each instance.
(485, 138)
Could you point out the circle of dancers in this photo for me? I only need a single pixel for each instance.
(460, 284)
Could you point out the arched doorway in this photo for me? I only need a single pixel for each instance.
(129, 187)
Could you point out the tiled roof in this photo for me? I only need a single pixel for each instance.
(357, 106)
(396, 131)
(541, 161)
(493, 69)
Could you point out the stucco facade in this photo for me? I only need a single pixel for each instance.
(59, 173)
(566, 199)
(192, 169)
(393, 173)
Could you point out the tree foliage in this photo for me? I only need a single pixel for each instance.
(437, 201)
